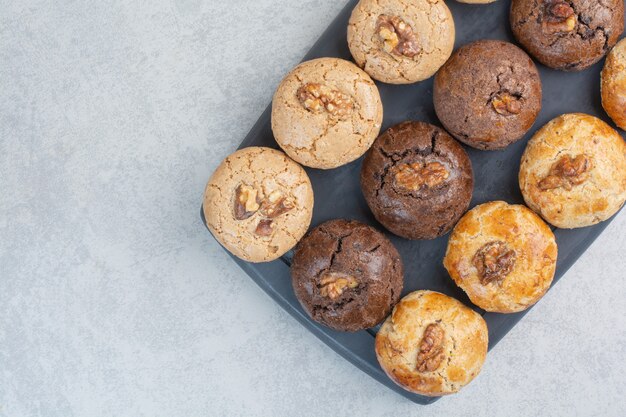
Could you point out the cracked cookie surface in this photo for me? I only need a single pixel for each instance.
(488, 94)
(417, 180)
(258, 203)
(614, 84)
(569, 35)
(432, 344)
(585, 194)
(347, 275)
(326, 112)
(432, 28)
(502, 255)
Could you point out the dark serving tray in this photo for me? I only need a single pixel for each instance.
(338, 194)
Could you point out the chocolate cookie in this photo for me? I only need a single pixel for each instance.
(347, 275)
(417, 180)
(488, 94)
(569, 35)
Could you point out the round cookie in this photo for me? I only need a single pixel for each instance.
(568, 35)
(326, 113)
(347, 275)
(417, 180)
(432, 344)
(613, 84)
(573, 171)
(476, 1)
(401, 41)
(258, 203)
(488, 94)
(503, 256)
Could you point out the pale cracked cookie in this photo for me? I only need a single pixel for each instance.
(573, 171)
(401, 41)
(614, 84)
(503, 256)
(258, 203)
(326, 113)
(432, 344)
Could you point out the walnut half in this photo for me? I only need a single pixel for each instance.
(431, 352)
(317, 98)
(559, 16)
(397, 36)
(333, 284)
(494, 261)
(506, 104)
(246, 201)
(416, 175)
(566, 173)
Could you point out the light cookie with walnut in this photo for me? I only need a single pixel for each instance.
(258, 204)
(613, 84)
(573, 171)
(401, 41)
(326, 113)
(432, 344)
(347, 275)
(503, 256)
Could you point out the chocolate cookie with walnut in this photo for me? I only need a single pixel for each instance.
(573, 171)
(432, 344)
(347, 275)
(417, 180)
(488, 94)
(503, 256)
(569, 35)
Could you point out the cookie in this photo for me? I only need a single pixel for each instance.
(417, 180)
(573, 171)
(258, 203)
(326, 113)
(568, 35)
(401, 41)
(613, 84)
(432, 344)
(347, 275)
(476, 1)
(503, 256)
(488, 94)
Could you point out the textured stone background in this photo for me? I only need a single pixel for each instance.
(114, 300)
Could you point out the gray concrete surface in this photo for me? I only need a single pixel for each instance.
(114, 300)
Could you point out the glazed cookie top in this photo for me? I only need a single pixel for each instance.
(567, 34)
(573, 171)
(488, 94)
(432, 344)
(614, 84)
(347, 275)
(401, 41)
(326, 113)
(258, 203)
(503, 256)
(417, 180)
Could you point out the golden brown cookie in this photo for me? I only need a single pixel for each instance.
(613, 84)
(401, 41)
(432, 344)
(573, 171)
(258, 203)
(503, 256)
(326, 113)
